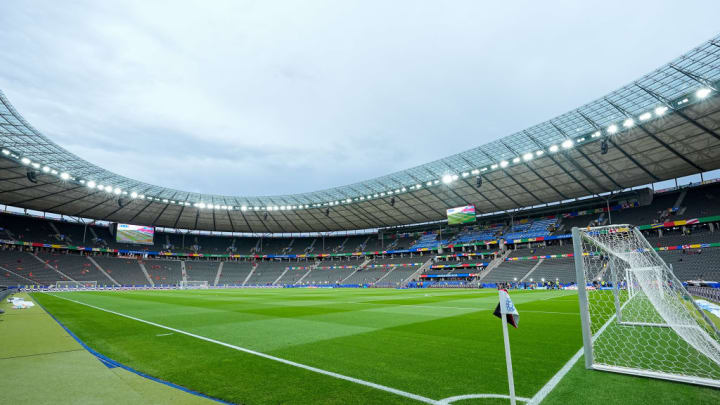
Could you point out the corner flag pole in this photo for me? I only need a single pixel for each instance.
(508, 357)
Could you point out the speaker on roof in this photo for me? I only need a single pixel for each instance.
(327, 212)
(478, 181)
(121, 202)
(265, 216)
(32, 176)
(604, 147)
(392, 201)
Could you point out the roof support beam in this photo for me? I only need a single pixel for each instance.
(162, 211)
(140, 212)
(450, 190)
(627, 155)
(343, 217)
(669, 105)
(299, 216)
(16, 203)
(513, 179)
(697, 78)
(476, 189)
(572, 162)
(418, 181)
(379, 221)
(393, 207)
(600, 169)
(655, 138)
(564, 197)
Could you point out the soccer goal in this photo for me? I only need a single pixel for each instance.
(186, 285)
(637, 318)
(75, 284)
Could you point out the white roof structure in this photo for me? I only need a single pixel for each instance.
(664, 125)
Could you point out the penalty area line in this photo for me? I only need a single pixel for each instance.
(266, 356)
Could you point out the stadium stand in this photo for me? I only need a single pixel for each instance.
(235, 273)
(76, 267)
(267, 272)
(125, 271)
(164, 271)
(201, 270)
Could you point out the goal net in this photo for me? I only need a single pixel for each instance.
(637, 318)
(186, 285)
(75, 284)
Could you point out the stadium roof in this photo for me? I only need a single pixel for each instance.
(664, 125)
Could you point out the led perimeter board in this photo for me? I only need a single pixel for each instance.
(135, 234)
(461, 215)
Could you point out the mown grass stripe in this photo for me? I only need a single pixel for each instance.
(263, 355)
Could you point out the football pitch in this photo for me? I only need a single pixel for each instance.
(352, 346)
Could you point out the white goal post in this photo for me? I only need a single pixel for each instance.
(186, 285)
(637, 317)
(75, 284)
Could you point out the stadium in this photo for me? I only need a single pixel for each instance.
(115, 290)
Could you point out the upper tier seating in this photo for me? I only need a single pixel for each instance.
(531, 229)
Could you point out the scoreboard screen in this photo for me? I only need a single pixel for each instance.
(135, 234)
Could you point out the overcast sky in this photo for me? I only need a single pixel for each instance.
(275, 97)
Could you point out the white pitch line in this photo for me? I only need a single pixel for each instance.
(267, 356)
(447, 401)
(540, 395)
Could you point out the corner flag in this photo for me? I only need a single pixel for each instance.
(507, 312)
(511, 314)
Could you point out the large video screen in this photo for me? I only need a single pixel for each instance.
(461, 215)
(136, 234)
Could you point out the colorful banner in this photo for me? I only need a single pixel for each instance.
(448, 275)
(458, 266)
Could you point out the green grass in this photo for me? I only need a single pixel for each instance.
(434, 343)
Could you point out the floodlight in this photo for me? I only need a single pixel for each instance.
(475, 171)
(64, 176)
(25, 161)
(527, 156)
(645, 116)
(516, 160)
(567, 144)
(418, 186)
(493, 166)
(45, 169)
(660, 110)
(5, 152)
(702, 93)
(596, 134)
(553, 148)
(612, 129)
(402, 189)
(447, 179)
(133, 194)
(540, 153)
(118, 191)
(90, 184)
(504, 163)
(465, 174)
(629, 123)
